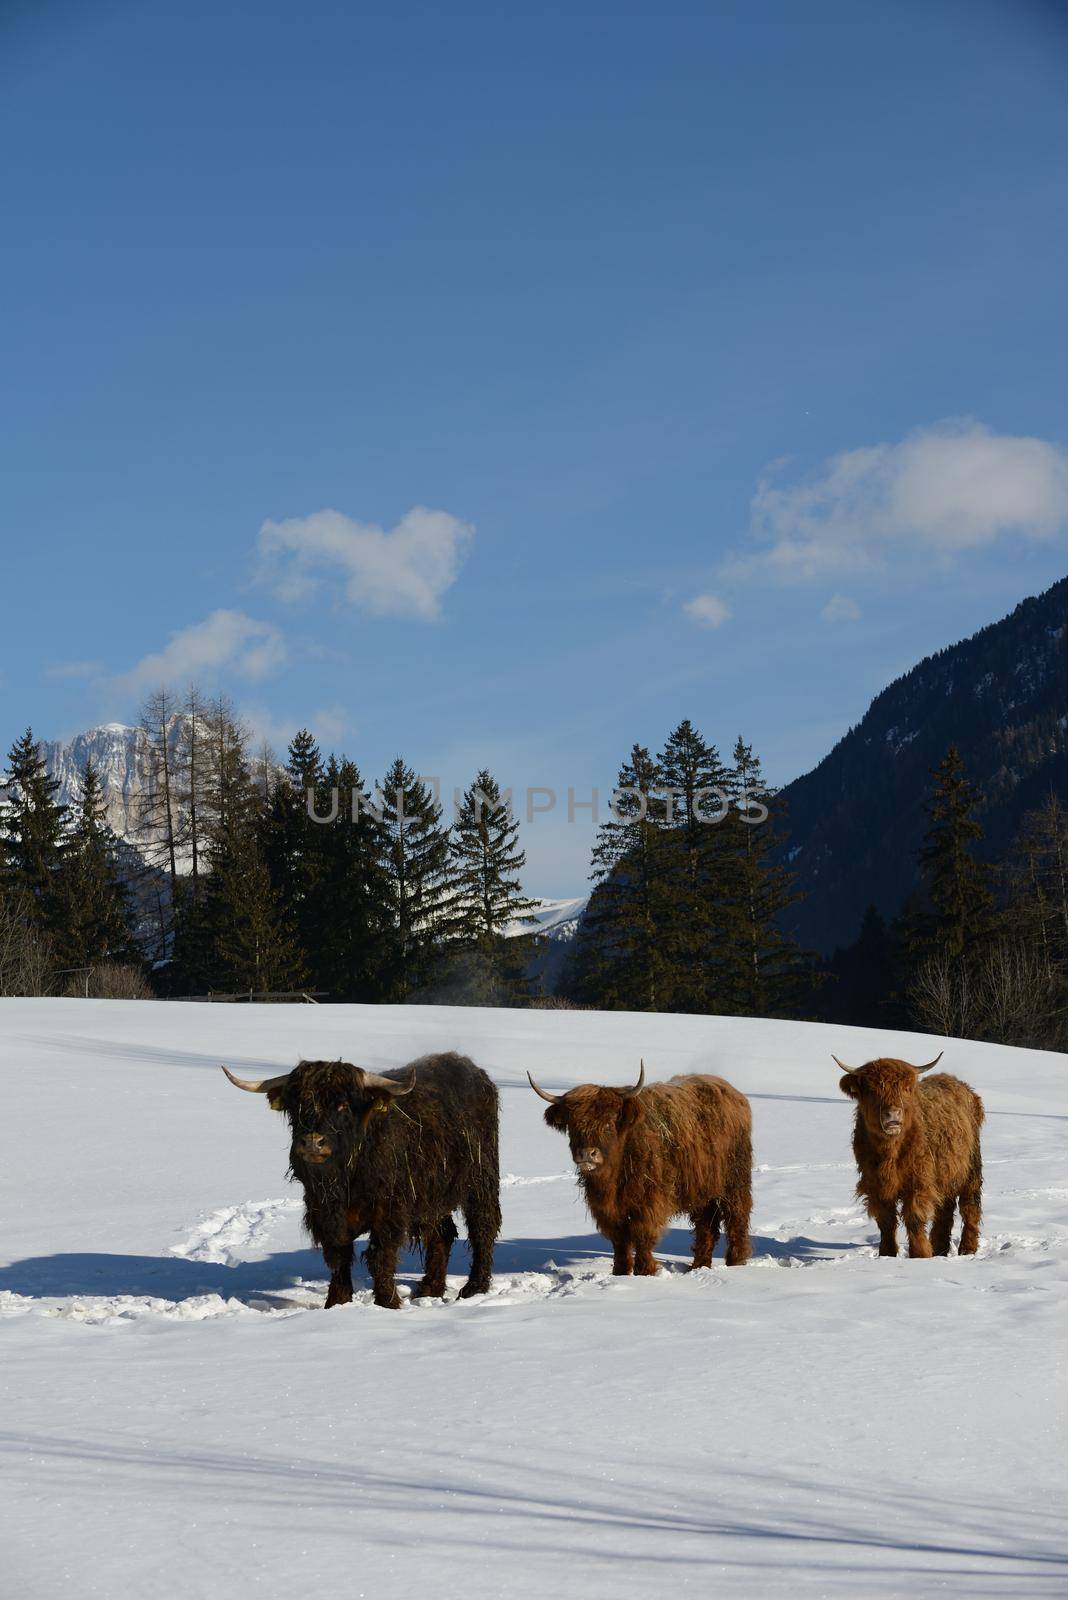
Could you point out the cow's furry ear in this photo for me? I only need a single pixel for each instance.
(849, 1085)
(556, 1117)
(629, 1112)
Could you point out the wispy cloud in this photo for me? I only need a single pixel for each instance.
(400, 573)
(74, 669)
(225, 641)
(841, 608)
(943, 490)
(330, 725)
(707, 610)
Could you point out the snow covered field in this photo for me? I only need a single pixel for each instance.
(179, 1417)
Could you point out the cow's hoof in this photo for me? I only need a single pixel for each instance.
(429, 1291)
(470, 1289)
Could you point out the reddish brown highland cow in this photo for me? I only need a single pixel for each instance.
(917, 1145)
(645, 1155)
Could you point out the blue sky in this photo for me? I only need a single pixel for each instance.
(654, 361)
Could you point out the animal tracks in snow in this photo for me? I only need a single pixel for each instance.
(233, 1285)
(225, 1237)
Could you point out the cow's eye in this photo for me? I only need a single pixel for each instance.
(341, 1110)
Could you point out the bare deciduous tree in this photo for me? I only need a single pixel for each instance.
(27, 957)
(1008, 995)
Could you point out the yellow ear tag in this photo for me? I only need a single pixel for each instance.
(382, 1106)
(275, 1102)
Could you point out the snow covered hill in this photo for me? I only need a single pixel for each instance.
(180, 1417)
(552, 919)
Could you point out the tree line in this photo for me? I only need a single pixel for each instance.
(258, 877)
(981, 949)
(688, 910)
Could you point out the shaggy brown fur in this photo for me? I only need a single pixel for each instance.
(680, 1147)
(930, 1166)
(396, 1169)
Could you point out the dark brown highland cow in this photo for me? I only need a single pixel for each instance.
(917, 1145)
(645, 1155)
(393, 1155)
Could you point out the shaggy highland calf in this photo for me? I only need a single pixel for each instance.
(393, 1155)
(917, 1145)
(645, 1155)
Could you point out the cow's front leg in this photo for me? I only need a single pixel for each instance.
(622, 1255)
(381, 1258)
(644, 1264)
(916, 1214)
(885, 1216)
(338, 1258)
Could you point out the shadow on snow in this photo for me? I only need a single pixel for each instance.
(169, 1277)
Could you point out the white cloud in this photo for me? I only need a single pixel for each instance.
(74, 669)
(330, 725)
(840, 608)
(707, 610)
(400, 573)
(940, 491)
(225, 640)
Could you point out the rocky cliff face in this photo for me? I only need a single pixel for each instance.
(122, 757)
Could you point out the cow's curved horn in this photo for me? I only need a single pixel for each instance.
(635, 1087)
(842, 1064)
(390, 1086)
(258, 1085)
(929, 1064)
(552, 1098)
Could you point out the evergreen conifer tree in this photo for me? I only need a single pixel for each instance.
(94, 925)
(959, 917)
(861, 977)
(417, 880)
(239, 934)
(346, 928)
(487, 896)
(697, 869)
(32, 846)
(292, 843)
(623, 959)
(763, 968)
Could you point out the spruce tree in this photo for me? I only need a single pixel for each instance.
(697, 869)
(291, 842)
(861, 977)
(487, 896)
(959, 918)
(345, 926)
(417, 880)
(624, 957)
(95, 921)
(254, 946)
(763, 969)
(32, 848)
(239, 934)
